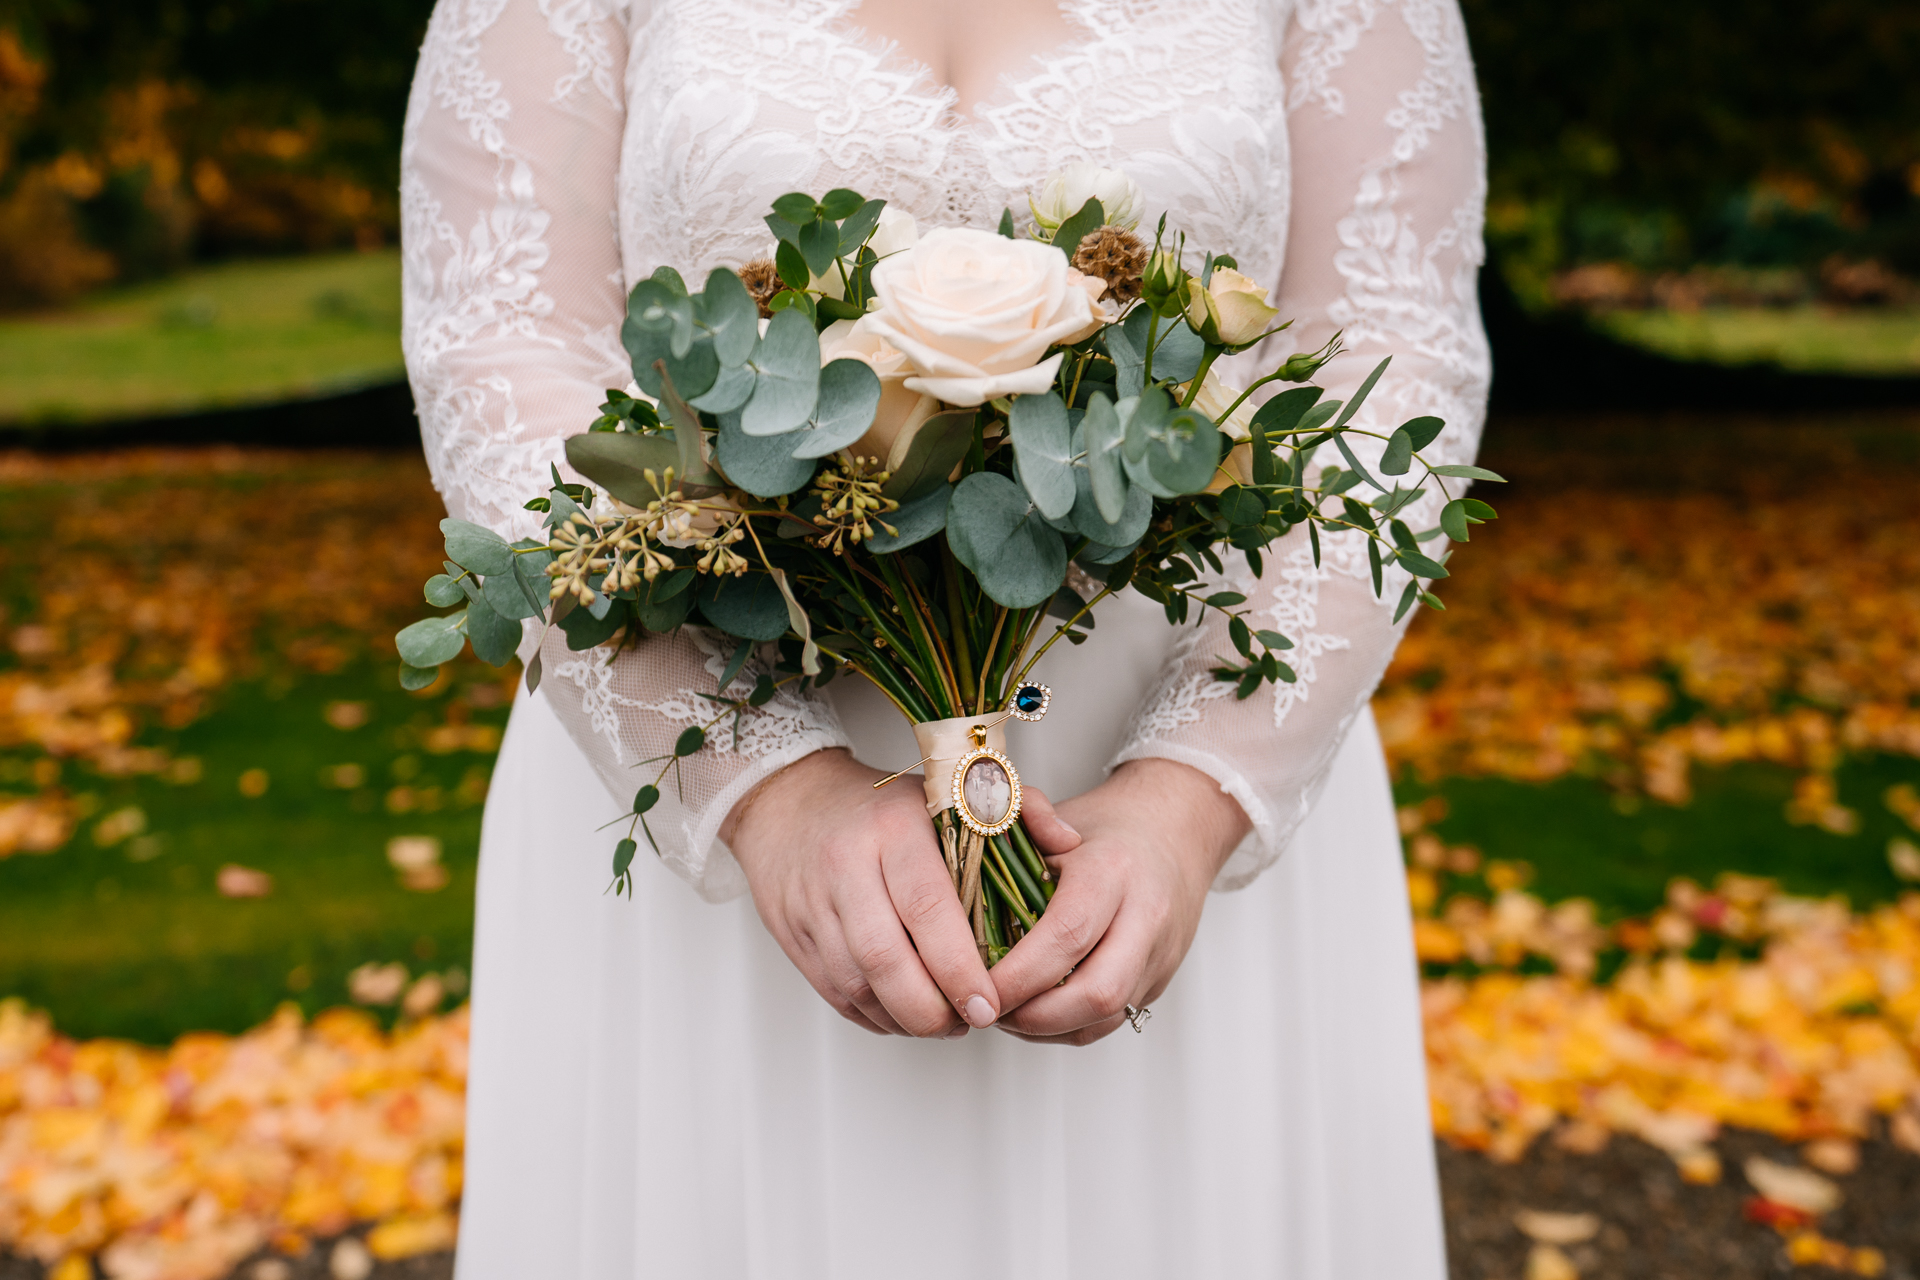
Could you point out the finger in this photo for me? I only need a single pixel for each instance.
(923, 898)
(849, 986)
(1071, 926)
(890, 971)
(805, 955)
(1084, 1036)
(1101, 988)
(1044, 823)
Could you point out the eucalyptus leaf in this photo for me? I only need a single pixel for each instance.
(442, 591)
(1043, 451)
(494, 638)
(840, 203)
(731, 316)
(476, 548)
(505, 595)
(750, 607)
(432, 641)
(1242, 506)
(1398, 455)
(1101, 433)
(1468, 473)
(849, 396)
(1089, 520)
(940, 445)
(649, 335)
(617, 461)
(1099, 553)
(858, 226)
(762, 465)
(731, 389)
(796, 207)
(1419, 565)
(662, 615)
(788, 362)
(1423, 431)
(584, 631)
(997, 532)
(1360, 396)
(1129, 357)
(914, 522)
(819, 245)
(413, 679)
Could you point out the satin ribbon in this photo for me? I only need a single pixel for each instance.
(944, 742)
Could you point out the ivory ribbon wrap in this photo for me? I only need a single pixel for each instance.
(943, 742)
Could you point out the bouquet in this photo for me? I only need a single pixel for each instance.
(881, 452)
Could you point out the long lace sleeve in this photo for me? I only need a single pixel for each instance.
(1384, 246)
(513, 301)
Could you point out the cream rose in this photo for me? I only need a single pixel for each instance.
(974, 312)
(1066, 191)
(902, 412)
(1213, 399)
(1231, 310)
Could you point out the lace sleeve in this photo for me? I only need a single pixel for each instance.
(1384, 245)
(513, 302)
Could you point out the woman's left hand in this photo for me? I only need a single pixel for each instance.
(1154, 835)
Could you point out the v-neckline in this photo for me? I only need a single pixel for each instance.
(889, 59)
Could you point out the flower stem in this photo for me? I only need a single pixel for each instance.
(957, 619)
(1010, 862)
(1200, 376)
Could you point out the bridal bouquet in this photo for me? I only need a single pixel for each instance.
(883, 452)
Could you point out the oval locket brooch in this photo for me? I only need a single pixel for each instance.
(986, 786)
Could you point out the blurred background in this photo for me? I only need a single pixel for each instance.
(1659, 760)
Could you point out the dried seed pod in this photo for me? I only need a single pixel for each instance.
(1115, 255)
(763, 281)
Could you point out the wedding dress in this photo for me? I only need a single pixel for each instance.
(655, 1091)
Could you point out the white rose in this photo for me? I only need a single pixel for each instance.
(902, 412)
(974, 312)
(896, 232)
(1231, 310)
(1213, 399)
(1067, 190)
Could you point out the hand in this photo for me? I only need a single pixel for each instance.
(1155, 834)
(851, 884)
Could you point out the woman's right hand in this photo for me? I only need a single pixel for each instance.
(851, 884)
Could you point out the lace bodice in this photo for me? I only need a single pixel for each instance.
(556, 151)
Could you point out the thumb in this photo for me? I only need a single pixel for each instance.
(1048, 829)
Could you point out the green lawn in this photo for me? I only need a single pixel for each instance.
(236, 334)
(1810, 339)
(134, 940)
(1584, 840)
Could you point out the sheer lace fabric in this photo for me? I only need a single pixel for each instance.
(558, 150)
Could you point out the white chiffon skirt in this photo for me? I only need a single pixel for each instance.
(656, 1092)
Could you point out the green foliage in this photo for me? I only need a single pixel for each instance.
(1728, 131)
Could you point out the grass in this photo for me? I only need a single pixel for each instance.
(236, 334)
(1810, 339)
(1585, 840)
(133, 940)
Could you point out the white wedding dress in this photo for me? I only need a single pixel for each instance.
(655, 1091)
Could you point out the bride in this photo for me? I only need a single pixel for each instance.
(689, 1084)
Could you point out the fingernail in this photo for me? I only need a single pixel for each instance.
(1069, 826)
(957, 1033)
(979, 1012)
